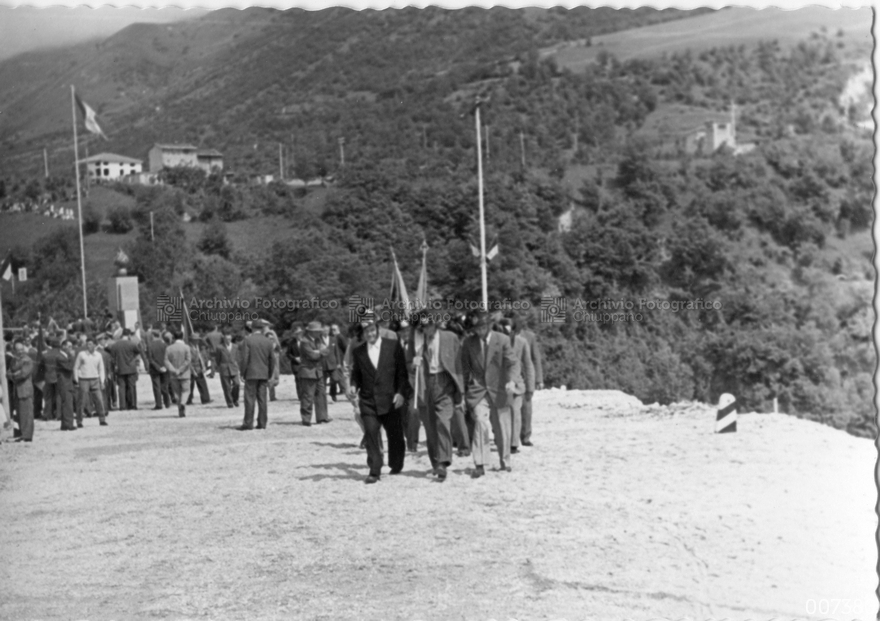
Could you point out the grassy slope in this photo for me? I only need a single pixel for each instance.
(735, 26)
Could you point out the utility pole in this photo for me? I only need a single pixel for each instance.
(281, 161)
(522, 148)
(482, 213)
(342, 151)
(488, 148)
(46, 162)
(152, 231)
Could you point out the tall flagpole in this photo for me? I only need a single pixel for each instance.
(7, 406)
(82, 253)
(482, 215)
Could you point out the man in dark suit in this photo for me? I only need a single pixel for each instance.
(257, 364)
(199, 368)
(110, 381)
(226, 356)
(21, 374)
(295, 357)
(51, 393)
(65, 385)
(125, 355)
(158, 371)
(489, 365)
(311, 375)
(435, 357)
(380, 382)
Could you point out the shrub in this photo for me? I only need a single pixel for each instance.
(91, 219)
(120, 220)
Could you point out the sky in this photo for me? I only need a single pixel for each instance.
(43, 23)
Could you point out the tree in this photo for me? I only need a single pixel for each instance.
(215, 241)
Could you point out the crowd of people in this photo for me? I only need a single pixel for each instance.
(467, 380)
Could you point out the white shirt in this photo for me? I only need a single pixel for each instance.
(89, 366)
(373, 351)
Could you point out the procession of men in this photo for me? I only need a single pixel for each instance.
(468, 381)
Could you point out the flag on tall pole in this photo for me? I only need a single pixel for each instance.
(422, 288)
(90, 117)
(82, 252)
(185, 325)
(398, 288)
(6, 267)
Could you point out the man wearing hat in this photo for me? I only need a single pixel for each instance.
(380, 382)
(435, 357)
(524, 380)
(199, 367)
(257, 367)
(227, 365)
(125, 357)
(21, 374)
(313, 353)
(489, 366)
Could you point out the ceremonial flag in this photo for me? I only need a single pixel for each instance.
(90, 116)
(6, 268)
(422, 289)
(186, 324)
(121, 257)
(397, 285)
(493, 250)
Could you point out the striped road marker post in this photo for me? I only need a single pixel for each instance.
(725, 420)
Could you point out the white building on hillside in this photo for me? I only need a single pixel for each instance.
(111, 167)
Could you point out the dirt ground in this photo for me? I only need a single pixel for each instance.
(619, 511)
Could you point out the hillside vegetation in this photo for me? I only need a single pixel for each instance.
(767, 248)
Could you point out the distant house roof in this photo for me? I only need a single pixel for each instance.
(176, 147)
(209, 153)
(110, 157)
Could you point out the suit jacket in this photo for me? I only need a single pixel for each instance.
(449, 358)
(312, 360)
(178, 360)
(347, 358)
(378, 385)
(214, 341)
(525, 379)
(257, 361)
(199, 365)
(21, 374)
(125, 354)
(537, 356)
(334, 356)
(156, 355)
(109, 367)
(294, 355)
(50, 364)
(489, 379)
(227, 360)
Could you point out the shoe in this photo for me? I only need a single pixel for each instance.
(396, 471)
(229, 405)
(464, 453)
(181, 415)
(260, 427)
(506, 469)
(363, 445)
(527, 443)
(514, 449)
(243, 428)
(158, 408)
(103, 423)
(235, 404)
(478, 472)
(79, 425)
(27, 440)
(371, 479)
(307, 424)
(441, 473)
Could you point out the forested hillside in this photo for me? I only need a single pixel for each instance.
(765, 250)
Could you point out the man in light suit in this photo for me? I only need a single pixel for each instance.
(226, 356)
(524, 381)
(538, 363)
(178, 361)
(489, 365)
(435, 359)
(380, 382)
(21, 374)
(257, 365)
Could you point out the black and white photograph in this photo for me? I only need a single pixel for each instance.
(437, 313)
